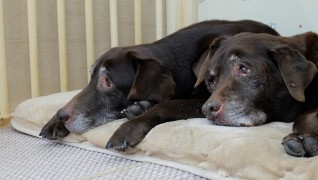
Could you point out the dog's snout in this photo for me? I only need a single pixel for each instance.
(211, 108)
(63, 115)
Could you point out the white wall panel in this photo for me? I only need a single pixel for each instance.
(288, 17)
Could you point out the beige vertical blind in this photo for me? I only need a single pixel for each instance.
(89, 35)
(137, 12)
(189, 12)
(62, 45)
(113, 23)
(181, 13)
(33, 49)
(159, 19)
(4, 102)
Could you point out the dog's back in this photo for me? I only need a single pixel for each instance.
(180, 50)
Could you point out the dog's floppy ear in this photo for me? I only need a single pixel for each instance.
(205, 65)
(153, 80)
(297, 72)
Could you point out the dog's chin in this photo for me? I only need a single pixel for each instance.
(239, 120)
(223, 122)
(80, 124)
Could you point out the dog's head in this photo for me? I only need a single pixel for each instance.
(119, 77)
(250, 76)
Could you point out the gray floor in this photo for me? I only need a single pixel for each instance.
(27, 157)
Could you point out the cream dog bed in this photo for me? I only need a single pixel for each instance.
(193, 145)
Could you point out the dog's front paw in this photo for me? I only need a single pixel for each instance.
(53, 129)
(137, 108)
(127, 135)
(301, 144)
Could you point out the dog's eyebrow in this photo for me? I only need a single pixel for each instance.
(234, 57)
(102, 70)
(98, 63)
(238, 52)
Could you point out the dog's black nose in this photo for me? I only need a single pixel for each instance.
(211, 108)
(213, 105)
(63, 115)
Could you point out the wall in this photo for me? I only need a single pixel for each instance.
(288, 17)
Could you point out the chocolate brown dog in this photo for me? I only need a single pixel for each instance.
(127, 81)
(259, 78)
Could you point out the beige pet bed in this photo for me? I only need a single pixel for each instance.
(192, 145)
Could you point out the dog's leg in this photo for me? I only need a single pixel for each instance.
(136, 109)
(132, 132)
(53, 129)
(303, 142)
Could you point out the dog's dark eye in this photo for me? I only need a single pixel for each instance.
(244, 70)
(211, 79)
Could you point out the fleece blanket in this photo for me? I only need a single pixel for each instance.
(193, 145)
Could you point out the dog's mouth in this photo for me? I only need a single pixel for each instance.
(237, 117)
